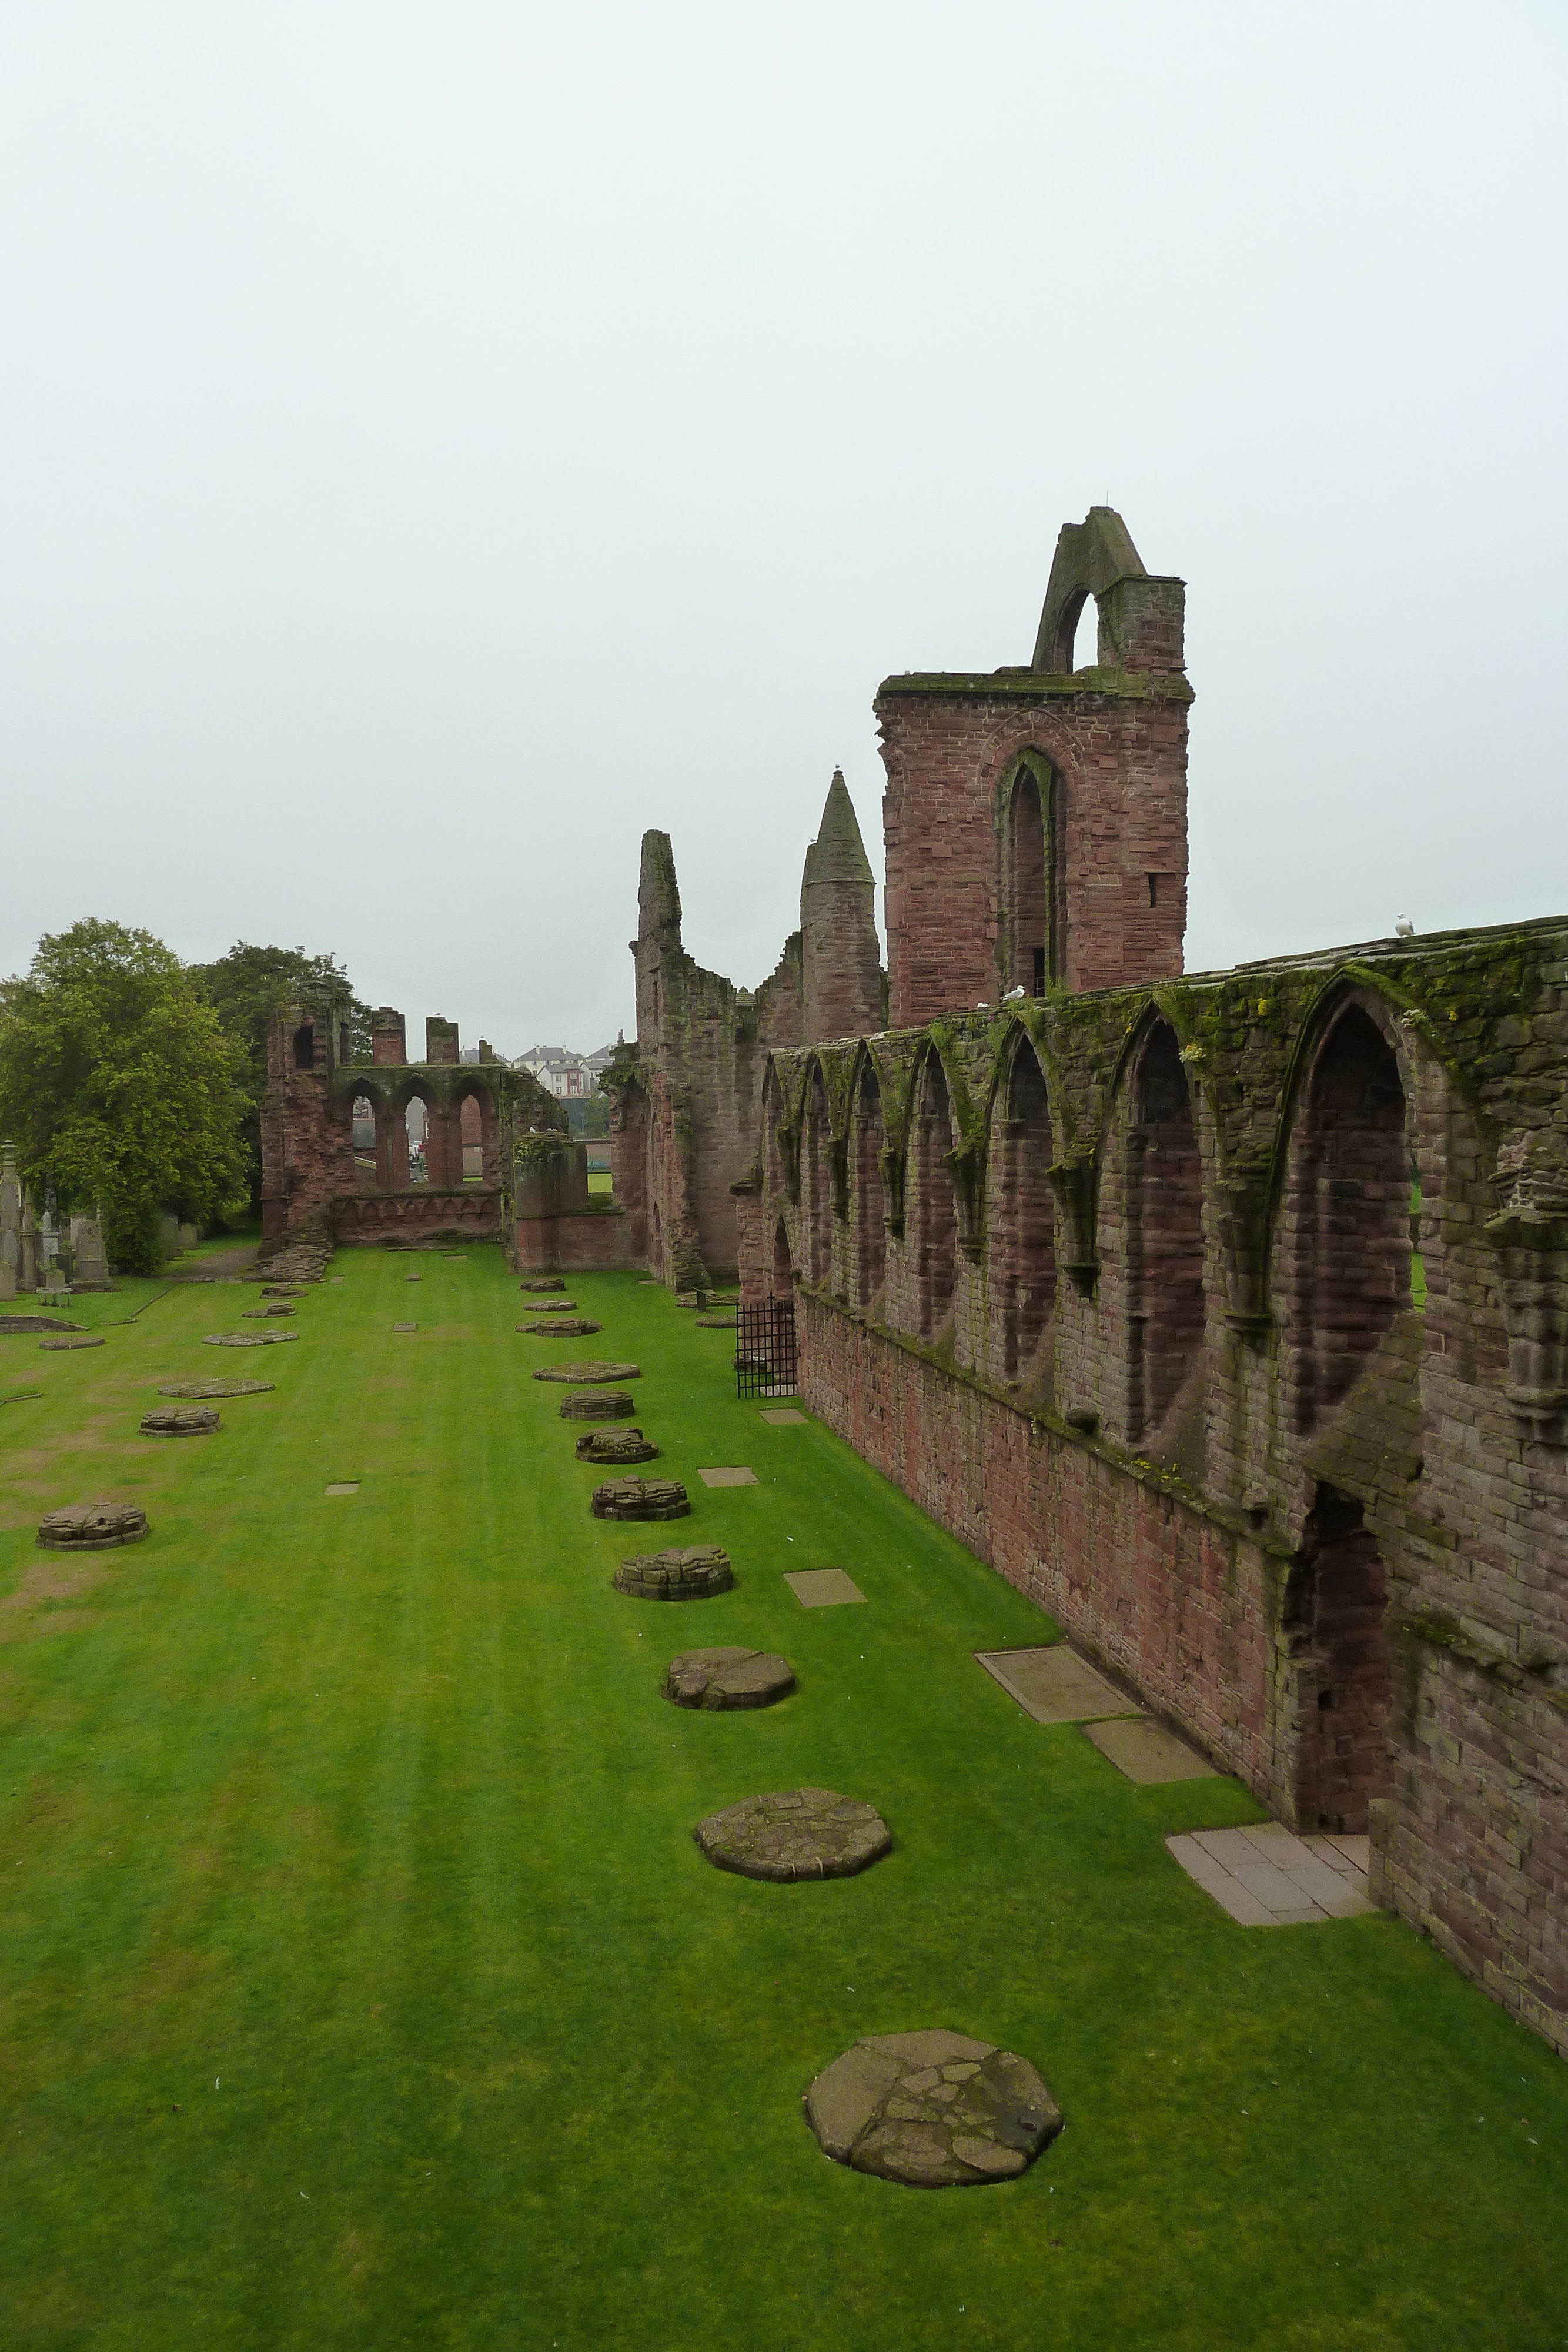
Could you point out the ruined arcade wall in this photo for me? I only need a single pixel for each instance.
(1322, 1525)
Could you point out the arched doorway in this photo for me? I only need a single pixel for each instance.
(1336, 1627)
(783, 1273)
(367, 1164)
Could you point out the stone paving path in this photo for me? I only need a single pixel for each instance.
(1266, 1876)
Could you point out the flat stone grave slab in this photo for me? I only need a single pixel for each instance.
(215, 1388)
(1145, 1751)
(406, 1327)
(543, 1282)
(1266, 1876)
(59, 1347)
(597, 1405)
(181, 1420)
(613, 1446)
(92, 1527)
(250, 1340)
(694, 1573)
(727, 1477)
(784, 1417)
(414, 1277)
(16, 1324)
(823, 1588)
(455, 1258)
(720, 1680)
(794, 1834)
(571, 1327)
(590, 1373)
(339, 1278)
(934, 2110)
(342, 1486)
(642, 1499)
(1054, 1685)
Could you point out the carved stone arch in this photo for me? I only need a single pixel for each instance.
(1030, 913)
(483, 1134)
(412, 1090)
(817, 1187)
(781, 1138)
(931, 1207)
(1150, 1229)
(1346, 1178)
(1020, 1212)
(866, 1159)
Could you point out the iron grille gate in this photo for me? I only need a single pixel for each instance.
(765, 1348)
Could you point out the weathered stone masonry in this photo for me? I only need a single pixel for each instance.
(1227, 1315)
(531, 1187)
(1197, 1409)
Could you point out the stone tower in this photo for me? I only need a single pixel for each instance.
(840, 956)
(1036, 817)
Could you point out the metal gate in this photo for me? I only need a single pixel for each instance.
(765, 1348)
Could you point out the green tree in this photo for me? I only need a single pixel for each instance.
(246, 988)
(120, 1087)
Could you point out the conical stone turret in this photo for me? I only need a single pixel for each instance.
(840, 956)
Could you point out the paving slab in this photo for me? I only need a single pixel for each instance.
(727, 1477)
(785, 1420)
(1278, 1845)
(344, 1487)
(1251, 1873)
(1054, 1685)
(823, 1588)
(1146, 1751)
(406, 1327)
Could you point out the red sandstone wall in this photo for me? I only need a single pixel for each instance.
(591, 1242)
(1121, 765)
(1176, 1605)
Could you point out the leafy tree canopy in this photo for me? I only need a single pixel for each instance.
(120, 1087)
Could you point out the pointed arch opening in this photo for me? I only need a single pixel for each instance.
(815, 1183)
(1347, 1213)
(1165, 1305)
(1336, 1627)
(870, 1140)
(364, 1129)
(935, 1213)
(1029, 888)
(1024, 1214)
(783, 1272)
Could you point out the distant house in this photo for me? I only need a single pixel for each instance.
(566, 1074)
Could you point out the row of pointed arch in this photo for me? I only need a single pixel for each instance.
(1002, 1255)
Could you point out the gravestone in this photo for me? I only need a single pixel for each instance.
(640, 1498)
(726, 1679)
(695, 1573)
(935, 2110)
(795, 1833)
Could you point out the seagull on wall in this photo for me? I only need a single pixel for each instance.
(1404, 927)
(1014, 993)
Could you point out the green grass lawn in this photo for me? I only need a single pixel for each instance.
(363, 1984)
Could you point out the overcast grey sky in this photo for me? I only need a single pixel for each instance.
(437, 442)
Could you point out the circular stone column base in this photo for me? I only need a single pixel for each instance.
(543, 1282)
(728, 1679)
(693, 1574)
(250, 1340)
(181, 1420)
(596, 1404)
(215, 1388)
(92, 1527)
(571, 1327)
(613, 1445)
(640, 1498)
(584, 1374)
(935, 2110)
(795, 1833)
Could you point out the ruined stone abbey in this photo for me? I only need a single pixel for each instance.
(1226, 1314)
